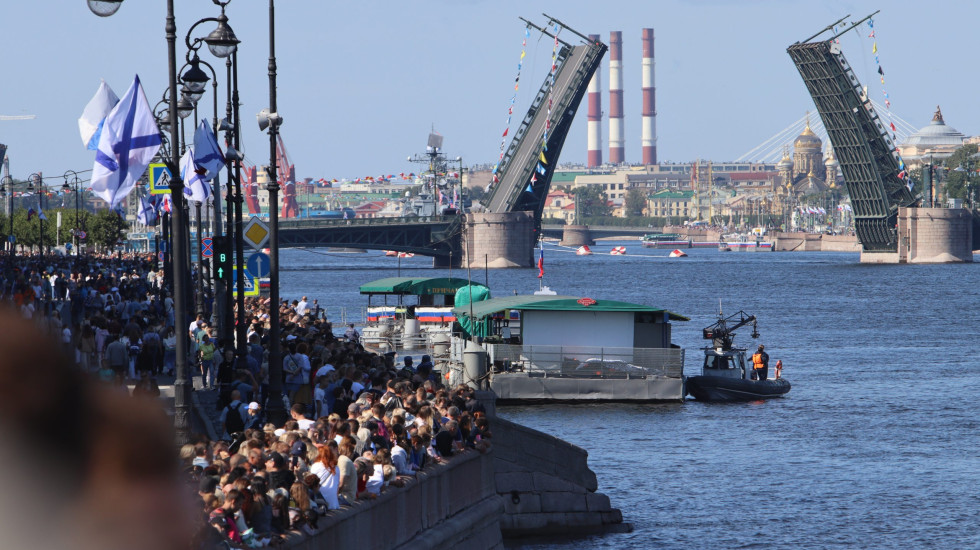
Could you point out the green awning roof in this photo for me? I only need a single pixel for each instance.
(415, 286)
(389, 285)
(555, 303)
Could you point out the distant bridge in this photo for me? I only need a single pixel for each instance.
(436, 236)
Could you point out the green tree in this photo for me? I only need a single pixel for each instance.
(636, 202)
(955, 183)
(591, 201)
(105, 228)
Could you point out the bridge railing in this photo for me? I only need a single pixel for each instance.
(302, 223)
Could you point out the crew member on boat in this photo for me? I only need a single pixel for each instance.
(760, 364)
(779, 369)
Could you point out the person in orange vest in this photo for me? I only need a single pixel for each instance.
(760, 364)
(779, 369)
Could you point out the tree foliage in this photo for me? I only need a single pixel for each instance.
(955, 184)
(636, 202)
(590, 200)
(105, 228)
(475, 192)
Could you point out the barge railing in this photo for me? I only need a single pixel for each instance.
(586, 361)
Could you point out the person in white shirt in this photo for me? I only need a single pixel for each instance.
(302, 307)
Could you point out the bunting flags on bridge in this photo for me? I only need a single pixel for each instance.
(510, 107)
(903, 174)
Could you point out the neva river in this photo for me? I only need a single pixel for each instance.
(876, 446)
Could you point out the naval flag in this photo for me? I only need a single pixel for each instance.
(147, 214)
(93, 117)
(130, 138)
(207, 153)
(195, 188)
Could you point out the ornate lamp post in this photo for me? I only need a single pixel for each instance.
(36, 177)
(74, 184)
(7, 186)
(269, 118)
(182, 385)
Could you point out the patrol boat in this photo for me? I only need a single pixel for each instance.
(725, 374)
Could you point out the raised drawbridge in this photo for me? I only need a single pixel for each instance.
(525, 171)
(867, 155)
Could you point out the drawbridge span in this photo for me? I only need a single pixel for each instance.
(524, 178)
(867, 156)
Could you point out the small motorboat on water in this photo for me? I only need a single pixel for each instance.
(725, 374)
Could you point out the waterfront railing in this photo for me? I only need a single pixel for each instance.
(587, 361)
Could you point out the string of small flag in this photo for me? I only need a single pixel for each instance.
(542, 161)
(510, 108)
(903, 174)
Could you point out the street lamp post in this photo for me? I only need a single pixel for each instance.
(76, 225)
(182, 384)
(7, 186)
(272, 120)
(36, 177)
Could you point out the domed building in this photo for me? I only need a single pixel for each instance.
(808, 154)
(936, 141)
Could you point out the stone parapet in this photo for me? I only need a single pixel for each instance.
(576, 235)
(546, 486)
(452, 505)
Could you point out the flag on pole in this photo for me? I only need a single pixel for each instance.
(93, 117)
(147, 214)
(195, 188)
(166, 205)
(30, 213)
(207, 154)
(540, 262)
(129, 140)
(40, 214)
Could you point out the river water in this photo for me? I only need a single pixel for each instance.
(876, 445)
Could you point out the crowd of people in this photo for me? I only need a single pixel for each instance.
(358, 422)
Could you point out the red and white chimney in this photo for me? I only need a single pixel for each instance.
(616, 151)
(595, 116)
(649, 131)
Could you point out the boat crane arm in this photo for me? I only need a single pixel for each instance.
(721, 334)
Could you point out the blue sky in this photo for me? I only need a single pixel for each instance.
(361, 83)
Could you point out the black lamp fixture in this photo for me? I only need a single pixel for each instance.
(222, 41)
(104, 8)
(194, 77)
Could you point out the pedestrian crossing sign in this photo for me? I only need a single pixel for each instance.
(251, 285)
(159, 178)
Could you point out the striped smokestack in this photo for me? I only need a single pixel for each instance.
(616, 153)
(649, 132)
(595, 116)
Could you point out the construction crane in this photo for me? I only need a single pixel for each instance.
(17, 117)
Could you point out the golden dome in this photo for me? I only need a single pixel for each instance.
(807, 140)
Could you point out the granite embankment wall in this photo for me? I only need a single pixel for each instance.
(452, 505)
(547, 486)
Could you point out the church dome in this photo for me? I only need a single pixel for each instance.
(784, 165)
(807, 140)
(936, 134)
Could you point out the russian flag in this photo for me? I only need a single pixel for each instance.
(540, 263)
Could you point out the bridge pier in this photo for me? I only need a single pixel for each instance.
(576, 235)
(930, 235)
(499, 240)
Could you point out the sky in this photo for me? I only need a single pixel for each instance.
(361, 84)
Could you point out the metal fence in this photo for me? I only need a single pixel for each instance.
(588, 362)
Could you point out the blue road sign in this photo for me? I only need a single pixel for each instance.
(251, 284)
(258, 264)
(67, 246)
(12, 239)
(163, 246)
(207, 250)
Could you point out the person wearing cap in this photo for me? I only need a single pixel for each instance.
(280, 477)
(760, 364)
(254, 420)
